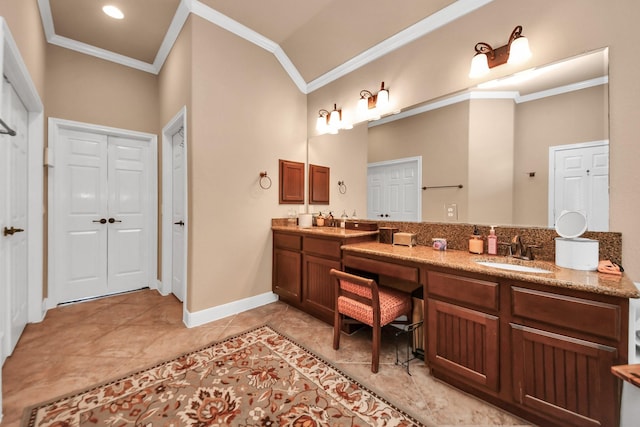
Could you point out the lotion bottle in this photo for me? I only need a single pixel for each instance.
(476, 244)
(492, 242)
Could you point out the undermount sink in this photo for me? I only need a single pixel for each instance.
(514, 267)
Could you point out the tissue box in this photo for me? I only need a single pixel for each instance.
(439, 244)
(405, 239)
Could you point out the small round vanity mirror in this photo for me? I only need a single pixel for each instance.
(571, 224)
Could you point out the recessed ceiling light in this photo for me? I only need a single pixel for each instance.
(113, 12)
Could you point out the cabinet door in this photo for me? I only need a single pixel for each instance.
(563, 377)
(287, 275)
(318, 294)
(464, 342)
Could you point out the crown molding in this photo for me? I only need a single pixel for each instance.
(563, 89)
(421, 28)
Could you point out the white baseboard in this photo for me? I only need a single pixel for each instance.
(214, 313)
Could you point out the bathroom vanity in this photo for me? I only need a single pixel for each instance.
(540, 345)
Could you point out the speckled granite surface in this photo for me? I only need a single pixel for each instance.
(589, 281)
(458, 257)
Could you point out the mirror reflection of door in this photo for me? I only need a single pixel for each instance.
(393, 190)
(579, 181)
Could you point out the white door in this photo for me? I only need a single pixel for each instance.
(581, 183)
(393, 190)
(13, 220)
(102, 219)
(178, 216)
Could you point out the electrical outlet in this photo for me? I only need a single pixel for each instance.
(450, 212)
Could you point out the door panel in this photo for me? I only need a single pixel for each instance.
(392, 190)
(128, 201)
(15, 245)
(81, 202)
(178, 285)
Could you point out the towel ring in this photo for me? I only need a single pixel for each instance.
(342, 187)
(265, 181)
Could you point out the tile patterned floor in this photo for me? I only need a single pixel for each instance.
(86, 343)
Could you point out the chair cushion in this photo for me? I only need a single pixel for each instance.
(393, 304)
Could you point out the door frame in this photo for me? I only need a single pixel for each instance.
(178, 121)
(12, 65)
(55, 125)
(552, 176)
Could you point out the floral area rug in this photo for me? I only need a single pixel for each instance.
(257, 378)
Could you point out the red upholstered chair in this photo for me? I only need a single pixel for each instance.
(361, 299)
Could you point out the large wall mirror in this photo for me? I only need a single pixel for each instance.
(486, 150)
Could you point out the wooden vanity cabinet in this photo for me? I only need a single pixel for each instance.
(301, 265)
(463, 328)
(563, 345)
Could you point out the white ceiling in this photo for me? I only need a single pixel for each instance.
(315, 41)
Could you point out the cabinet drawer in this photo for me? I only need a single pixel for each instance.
(592, 317)
(326, 247)
(479, 293)
(397, 271)
(287, 241)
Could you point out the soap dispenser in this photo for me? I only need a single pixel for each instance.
(492, 242)
(476, 244)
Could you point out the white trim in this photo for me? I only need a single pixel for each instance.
(180, 119)
(482, 94)
(414, 32)
(13, 66)
(551, 220)
(215, 313)
(439, 19)
(55, 125)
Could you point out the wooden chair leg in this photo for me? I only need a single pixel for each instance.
(375, 356)
(337, 325)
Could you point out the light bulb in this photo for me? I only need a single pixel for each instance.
(479, 66)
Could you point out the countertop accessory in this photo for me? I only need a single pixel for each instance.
(405, 239)
(265, 181)
(476, 243)
(360, 225)
(609, 267)
(572, 251)
(439, 244)
(385, 234)
(305, 220)
(342, 187)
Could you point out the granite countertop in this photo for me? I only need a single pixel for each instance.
(325, 231)
(589, 281)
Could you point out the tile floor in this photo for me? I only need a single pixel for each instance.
(86, 343)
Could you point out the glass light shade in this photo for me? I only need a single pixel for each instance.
(479, 66)
(113, 12)
(334, 119)
(321, 124)
(519, 51)
(363, 107)
(382, 100)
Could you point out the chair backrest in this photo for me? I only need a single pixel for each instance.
(357, 288)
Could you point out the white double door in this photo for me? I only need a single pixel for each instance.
(103, 192)
(13, 220)
(393, 190)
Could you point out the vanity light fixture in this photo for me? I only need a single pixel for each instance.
(515, 51)
(332, 122)
(113, 12)
(371, 106)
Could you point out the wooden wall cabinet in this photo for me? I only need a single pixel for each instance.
(319, 185)
(291, 177)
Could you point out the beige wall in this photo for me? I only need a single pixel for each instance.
(246, 114)
(570, 118)
(438, 64)
(23, 19)
(91, 90)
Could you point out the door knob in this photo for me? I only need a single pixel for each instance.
(112, 220)
(101, 220)
(179, 223)
(12, 230)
